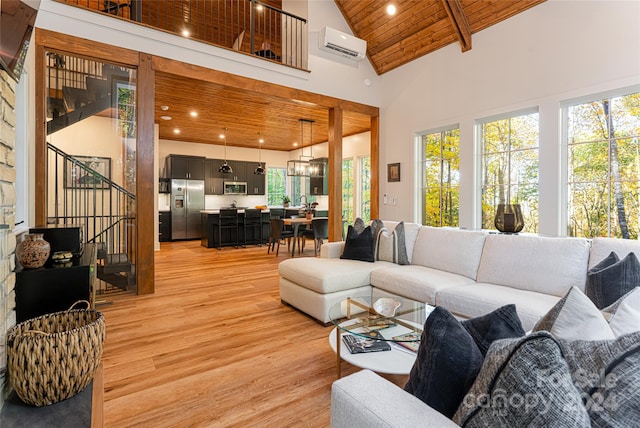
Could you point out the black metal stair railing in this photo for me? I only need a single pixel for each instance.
(259, 28)
(79, 195)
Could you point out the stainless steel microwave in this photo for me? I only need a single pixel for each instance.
(235, 188)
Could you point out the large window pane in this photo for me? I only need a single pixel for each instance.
(365, 187)
(348, 215)
(440, 178)
(510, 168)
(604, 167)
(276, 185)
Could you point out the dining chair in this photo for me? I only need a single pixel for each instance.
(253, 220)
(278, 234)
(227, 220)
(319, 231)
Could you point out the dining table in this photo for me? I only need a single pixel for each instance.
(296, 223)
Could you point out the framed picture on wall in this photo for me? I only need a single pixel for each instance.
(77, 177)
(393, 172)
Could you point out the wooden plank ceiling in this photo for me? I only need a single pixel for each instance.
(422, 26)
(244, 113)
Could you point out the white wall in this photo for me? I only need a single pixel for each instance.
(553, 52)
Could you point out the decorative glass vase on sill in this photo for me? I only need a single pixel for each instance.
(509, 218)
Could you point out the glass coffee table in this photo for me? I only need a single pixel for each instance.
(378, 321)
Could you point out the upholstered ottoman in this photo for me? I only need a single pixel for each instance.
(313, 285)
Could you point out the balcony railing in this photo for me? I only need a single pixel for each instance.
(253, 27)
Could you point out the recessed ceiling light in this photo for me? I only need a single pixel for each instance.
(261, 140)
(194, 114)
(259, 7)
(391, 9)
(295, 144)
(164, 108)
(165, 117)
(186, 33)
(176, 131)
(222, 136)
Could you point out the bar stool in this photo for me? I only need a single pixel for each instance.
(253, 219)
(227, 219)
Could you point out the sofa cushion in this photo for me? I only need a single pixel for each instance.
(500, 324)
(447, 363)
(602, 247)
(410, 234)
(359, 246)
(523, 382)
(390, 246)
(473, 300)
(452, 250)
(328, 275)
(612, 278)
(575, 317)
(542, 264)
(450, 354)
(624, 315)
(607, 374)
(416, 282)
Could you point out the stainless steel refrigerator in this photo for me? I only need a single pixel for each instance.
(187, 199)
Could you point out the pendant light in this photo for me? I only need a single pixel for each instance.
(302, 167)
(260, 169)
(225, 168)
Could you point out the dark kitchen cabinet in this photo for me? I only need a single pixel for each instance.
(164, 226)
(213, 179)
(239, 171)
(186, 167)
(255, 183)
(320, 185)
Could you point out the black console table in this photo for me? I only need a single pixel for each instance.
(54, 288)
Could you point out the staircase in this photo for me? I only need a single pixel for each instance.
(81, 191)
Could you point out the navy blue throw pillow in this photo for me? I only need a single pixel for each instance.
(359, 246)
(612, 278)
(451, 354)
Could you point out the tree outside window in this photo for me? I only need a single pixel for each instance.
(440, 177)
(510, 168)
(365, 187)
(276, 185)
(348, 214)
(604, 167)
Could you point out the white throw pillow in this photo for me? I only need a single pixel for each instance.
(625, 313)
(391, 246)
(575, 317)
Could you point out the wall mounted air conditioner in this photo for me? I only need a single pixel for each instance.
(343, 44)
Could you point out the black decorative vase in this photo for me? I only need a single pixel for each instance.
(509, 218)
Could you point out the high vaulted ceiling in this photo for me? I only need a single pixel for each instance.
(418, 28)
(422, 26)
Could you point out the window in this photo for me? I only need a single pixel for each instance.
(348, 215)
(276, 185)
(364, 194)
(603, 155)
(440, 177)
(510, 167)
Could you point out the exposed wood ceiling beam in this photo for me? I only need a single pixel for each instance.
(459, 22)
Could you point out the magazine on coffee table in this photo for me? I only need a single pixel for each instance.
(403, 339)
(361, 344)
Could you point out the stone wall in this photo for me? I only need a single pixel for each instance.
(7, 220)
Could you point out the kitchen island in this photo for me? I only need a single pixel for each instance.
(210, 234)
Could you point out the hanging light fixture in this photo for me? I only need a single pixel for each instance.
(303, 167)
(225, 168)
(260, 169)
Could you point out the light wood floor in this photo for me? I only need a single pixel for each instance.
(215, 347)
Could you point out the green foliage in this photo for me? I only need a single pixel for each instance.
(441, 178)
(276, 186)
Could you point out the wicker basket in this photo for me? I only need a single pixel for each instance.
(53, 357)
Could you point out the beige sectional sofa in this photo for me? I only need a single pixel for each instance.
(468, 272)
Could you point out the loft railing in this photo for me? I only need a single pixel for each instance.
(79, 195)
(253, 27)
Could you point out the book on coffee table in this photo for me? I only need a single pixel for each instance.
(360, 344)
